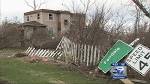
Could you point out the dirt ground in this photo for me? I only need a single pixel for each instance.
(9, 52)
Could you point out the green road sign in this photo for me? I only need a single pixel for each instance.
(116, 53)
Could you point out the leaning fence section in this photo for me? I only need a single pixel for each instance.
(88, 55)
(80, 54)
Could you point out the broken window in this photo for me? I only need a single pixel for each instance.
(38, 16)
(28, 18)
(66, 22)
(50, 16)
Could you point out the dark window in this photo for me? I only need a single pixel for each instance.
(65, 22)
(50, 16)
(28, 18)
(38, 16)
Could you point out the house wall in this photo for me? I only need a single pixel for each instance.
(33, 17)
(57, 22)
(64, 27)
(52, 24)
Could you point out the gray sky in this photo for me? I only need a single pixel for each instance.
(13, 8)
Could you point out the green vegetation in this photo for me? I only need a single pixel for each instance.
(17, 71)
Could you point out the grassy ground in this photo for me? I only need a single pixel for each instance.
(16, 71)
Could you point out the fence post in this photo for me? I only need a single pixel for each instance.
(94, 61)
(91, 56)
(98, 58)
(76, 53)
(79, 51)
(85, 53)
(88, 54)
(81, 57)
(72, 54)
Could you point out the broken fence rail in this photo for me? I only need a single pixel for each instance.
(43, 53)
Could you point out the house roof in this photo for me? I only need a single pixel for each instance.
(33, 23)
(47, 11)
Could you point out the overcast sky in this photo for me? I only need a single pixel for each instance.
(13, 8)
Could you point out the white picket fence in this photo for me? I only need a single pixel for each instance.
(80, 54)
(43, 53)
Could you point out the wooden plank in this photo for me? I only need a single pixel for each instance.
(65, 53)
(78, 56)
(75, 53)
(31, 52)
(44, 55)
(59, 55)
(55, 53)
(65, 50)
(72, 57)
(27, 50)
(98, 57)
(37, 52)
(59, 45)
(52, 54)
(73, 44)
(40, 52)
(81, 54)
(91, 56)
(85, 52)
(49, 53)
(94, 61)
(66, 44)
(88, 54)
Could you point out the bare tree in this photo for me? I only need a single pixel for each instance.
(137, 21)
(35, 5)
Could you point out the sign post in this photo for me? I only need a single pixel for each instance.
(115, 54)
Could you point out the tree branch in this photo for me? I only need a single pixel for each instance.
(35, 5)
(141, 7)
(28, 4)
(41, 3)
